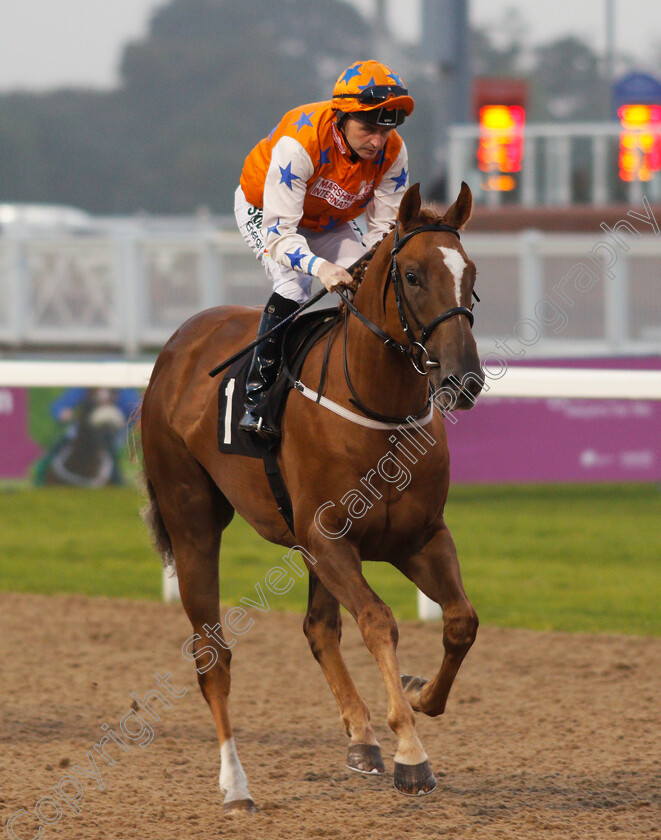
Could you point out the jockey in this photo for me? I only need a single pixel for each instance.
(302, 188)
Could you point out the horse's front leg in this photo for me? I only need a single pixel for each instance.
(323, 628)
(435, 571)
(338, 566)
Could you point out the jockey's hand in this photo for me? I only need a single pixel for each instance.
(332, 275)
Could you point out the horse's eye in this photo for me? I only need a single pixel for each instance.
(411, 279)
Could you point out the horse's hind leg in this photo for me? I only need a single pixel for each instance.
(193, 512)
(323, 628)
(435, 571)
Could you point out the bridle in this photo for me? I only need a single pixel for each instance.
(416, 348)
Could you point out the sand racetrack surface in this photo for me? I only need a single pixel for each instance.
(546, 735)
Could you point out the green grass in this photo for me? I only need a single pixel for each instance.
(555, 557)
(562, 557)
(44, 430)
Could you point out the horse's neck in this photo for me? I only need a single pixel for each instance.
(383, 377)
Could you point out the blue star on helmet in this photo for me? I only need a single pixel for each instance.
(296, 257)
(274, 228)
(350, 73)
(303, 120)
(287, 176)
(396, 79)
(324, 157)
(331, 223)
(371, 83)
(400, 180)
(381, 156)
(272, 131)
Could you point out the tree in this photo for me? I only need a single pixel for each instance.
(212, 77)
(498, 50)
(209, 80)
(567, 83)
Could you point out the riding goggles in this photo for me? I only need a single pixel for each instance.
(375, 94)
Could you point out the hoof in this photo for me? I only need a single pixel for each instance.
(414, 779)
(365, 758)
(246, 806)
(412, 687)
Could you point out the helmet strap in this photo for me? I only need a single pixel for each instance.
(342, 117)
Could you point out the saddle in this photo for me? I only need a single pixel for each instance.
(299, 338)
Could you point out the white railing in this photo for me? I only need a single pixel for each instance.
(125, 294)
(47, 373)
(519, 382)
(562, 163)
(584, 294)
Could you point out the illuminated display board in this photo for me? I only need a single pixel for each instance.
(640, 141)
(500, 150)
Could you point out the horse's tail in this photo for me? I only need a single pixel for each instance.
(156, 527)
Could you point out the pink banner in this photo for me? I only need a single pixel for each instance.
(499, 441)
(517, 440)
(17, 450)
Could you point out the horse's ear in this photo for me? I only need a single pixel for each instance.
(409, 209)
(459, 214)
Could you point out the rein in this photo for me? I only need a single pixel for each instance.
(416, 349)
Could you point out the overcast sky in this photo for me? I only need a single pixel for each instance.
(52, 43)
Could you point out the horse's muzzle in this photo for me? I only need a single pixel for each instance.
(458, 392)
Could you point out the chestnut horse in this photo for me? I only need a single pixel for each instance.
(364, 485)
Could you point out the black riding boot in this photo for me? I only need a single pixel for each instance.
(265, 364)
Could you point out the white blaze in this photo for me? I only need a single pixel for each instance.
(456, 265)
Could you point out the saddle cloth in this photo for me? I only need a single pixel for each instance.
(299, 338)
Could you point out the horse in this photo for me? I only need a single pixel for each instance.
(406, 335)
(85, 456)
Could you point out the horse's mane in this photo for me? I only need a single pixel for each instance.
(358, 270)
(428, 215)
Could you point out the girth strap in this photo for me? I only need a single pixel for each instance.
(278, 487)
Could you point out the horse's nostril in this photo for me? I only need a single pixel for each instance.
(470, 383)
(475, 384)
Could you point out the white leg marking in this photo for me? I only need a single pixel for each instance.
(233, 780)
(456, 265)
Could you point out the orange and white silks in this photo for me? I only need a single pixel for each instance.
(305, 179)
